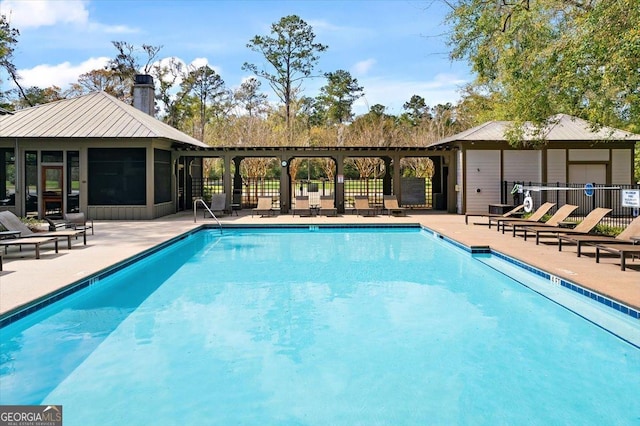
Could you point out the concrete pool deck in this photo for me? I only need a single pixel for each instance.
(26, 279)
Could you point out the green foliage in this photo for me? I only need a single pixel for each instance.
(602, 229)
(534, 59)
(338, 95)
(292, 54)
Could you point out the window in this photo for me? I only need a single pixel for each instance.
(31, 182)
(7, 177)
(52, 156)
(73, 182)
(117, 176)
(161, 176)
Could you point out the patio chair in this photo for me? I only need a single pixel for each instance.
(327, 206)
(553, 222)
(625, 237)
(11, 222)
(362, 206)
(390, 203)
(588, 223)
(78, 221)
(535, 217)
(218, 204)
(265, 207)
(513, 213)
(302, 206)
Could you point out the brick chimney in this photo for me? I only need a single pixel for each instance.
(144, 94)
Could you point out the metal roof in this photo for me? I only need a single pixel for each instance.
(561, 127)
(96, 115)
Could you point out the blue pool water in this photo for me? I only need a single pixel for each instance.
(340, 327)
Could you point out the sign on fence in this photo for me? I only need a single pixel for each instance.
(413, 191)
(630, 198)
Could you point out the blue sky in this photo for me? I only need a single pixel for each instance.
(394, 48)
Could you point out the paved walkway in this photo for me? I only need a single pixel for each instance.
(26, 279)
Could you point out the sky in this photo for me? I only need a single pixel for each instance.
(395, 49)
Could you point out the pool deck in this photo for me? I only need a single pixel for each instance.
(26, 279)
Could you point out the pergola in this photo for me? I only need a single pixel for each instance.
(443, 157)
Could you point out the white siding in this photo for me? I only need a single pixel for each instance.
(521, 166)
(482, 179)
(556, 165)
(621, 167)
(588, 155)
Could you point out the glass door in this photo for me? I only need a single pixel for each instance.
(52, 187)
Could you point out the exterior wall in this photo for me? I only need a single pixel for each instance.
(589, 154)
(556, 165)
(621, 173)
(118, 212)
(163, 209)
(483, 179)
(521, 165)
(621, 166)
(98, 212)
(557, 170)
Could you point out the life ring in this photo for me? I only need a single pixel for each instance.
(528, 204)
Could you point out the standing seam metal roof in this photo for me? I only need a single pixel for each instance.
(96, 115)
(562, 127)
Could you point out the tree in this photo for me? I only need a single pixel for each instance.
(292, 54)
(208, 93)
(166, 75)
(127, 64)
(338, 96)
(534, 59)
(8, 42)
(417, 110)
(250, 98)
(33, 96)
(99, 80)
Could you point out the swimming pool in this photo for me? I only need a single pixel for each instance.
(320, 326)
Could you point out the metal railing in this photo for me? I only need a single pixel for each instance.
(587, 199)
(195, 211)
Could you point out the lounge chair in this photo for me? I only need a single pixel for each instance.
(362, 206)
(218, 204)
(302, 206)
(583, 228)
(13, 223)
(552, 223)
(32, 241)
(517, 210)
(390, 203)
(535, 217)
(622, 250)
(632, 230)
(327, 206)
(265, 207)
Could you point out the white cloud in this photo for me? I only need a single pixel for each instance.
(441, 89)
(199, 62)
(39, 13)
(363, 67)
(60, 75)
(46, 13)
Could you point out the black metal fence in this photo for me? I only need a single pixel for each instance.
(252, 188)
(585, 196)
